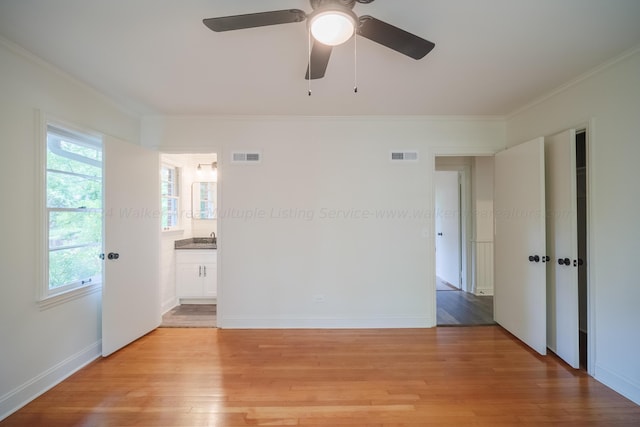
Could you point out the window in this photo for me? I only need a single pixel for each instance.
(73, 209)
(170, 184)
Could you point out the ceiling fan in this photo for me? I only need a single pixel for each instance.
(331, 23)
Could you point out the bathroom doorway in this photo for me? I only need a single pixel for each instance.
(189, 239)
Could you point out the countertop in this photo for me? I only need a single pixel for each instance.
(196, 243)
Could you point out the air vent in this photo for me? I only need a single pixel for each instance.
(252, 157)
(404, 156)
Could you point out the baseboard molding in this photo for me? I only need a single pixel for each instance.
(20, 396)
(237, 322)
(168, 305)
(617, 382)
(484, 292)
(197, 301)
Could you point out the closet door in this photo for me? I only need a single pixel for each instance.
(520, 265)
(130, 292)
(562, 247)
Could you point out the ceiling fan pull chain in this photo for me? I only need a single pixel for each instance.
(355, 63)
(309, 60)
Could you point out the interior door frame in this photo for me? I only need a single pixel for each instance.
(218, 151)
(589, 129)
(447, 151)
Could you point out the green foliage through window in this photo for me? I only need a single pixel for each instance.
(169, 184)
(74, 208)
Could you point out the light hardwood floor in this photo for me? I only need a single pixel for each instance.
(463, 376)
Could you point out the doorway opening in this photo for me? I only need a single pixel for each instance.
(464, 233)
(189, 240)
(581, 193)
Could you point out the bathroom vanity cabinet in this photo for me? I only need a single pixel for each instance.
(196, 273)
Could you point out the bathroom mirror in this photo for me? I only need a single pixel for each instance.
(203, 200)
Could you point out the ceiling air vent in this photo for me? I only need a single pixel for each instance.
(404, 156)
(252, 157)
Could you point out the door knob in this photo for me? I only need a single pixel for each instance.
(545, 258)
(113, 255)
(534, 258)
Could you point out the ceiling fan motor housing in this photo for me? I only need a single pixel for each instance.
(320, 4)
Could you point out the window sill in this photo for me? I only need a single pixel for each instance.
(59, 299)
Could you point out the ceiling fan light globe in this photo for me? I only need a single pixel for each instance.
(332, 27)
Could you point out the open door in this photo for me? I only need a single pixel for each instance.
(519, 243)
(562, 246)
(130, 299)
(447, 221)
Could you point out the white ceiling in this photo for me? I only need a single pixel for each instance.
(156, 56)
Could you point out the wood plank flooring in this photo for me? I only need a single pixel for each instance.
(479, 376)
(456, 308)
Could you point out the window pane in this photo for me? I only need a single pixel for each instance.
(73, 181)
(68, 161)
(72, 191)
(74, 228)
(74, 265)
(169, 212)
(168, 189)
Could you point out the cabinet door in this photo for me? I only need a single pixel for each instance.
(188, 280)
(210, 280)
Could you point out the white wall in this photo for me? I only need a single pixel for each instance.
(482, 197)
(38, 348)
(611, 99)
(311, 270)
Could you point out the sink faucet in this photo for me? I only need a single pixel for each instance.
(213, 234)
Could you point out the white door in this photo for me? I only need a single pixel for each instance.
(520, 268)
(447, 189)
(130, 293)
(562, 247)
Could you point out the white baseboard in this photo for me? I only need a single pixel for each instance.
(197, 300)
(20, 396)
(625, 386)
(237, 322)
(168, 305)
(484, 292)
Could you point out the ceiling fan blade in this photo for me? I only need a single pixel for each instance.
(320, 54)
(251, 20)
(394, 37)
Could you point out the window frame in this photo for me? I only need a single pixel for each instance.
(177, 197)
(47, 297)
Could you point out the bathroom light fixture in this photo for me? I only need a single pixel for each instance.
(214, 170)
(213, 165)
(333, 26)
